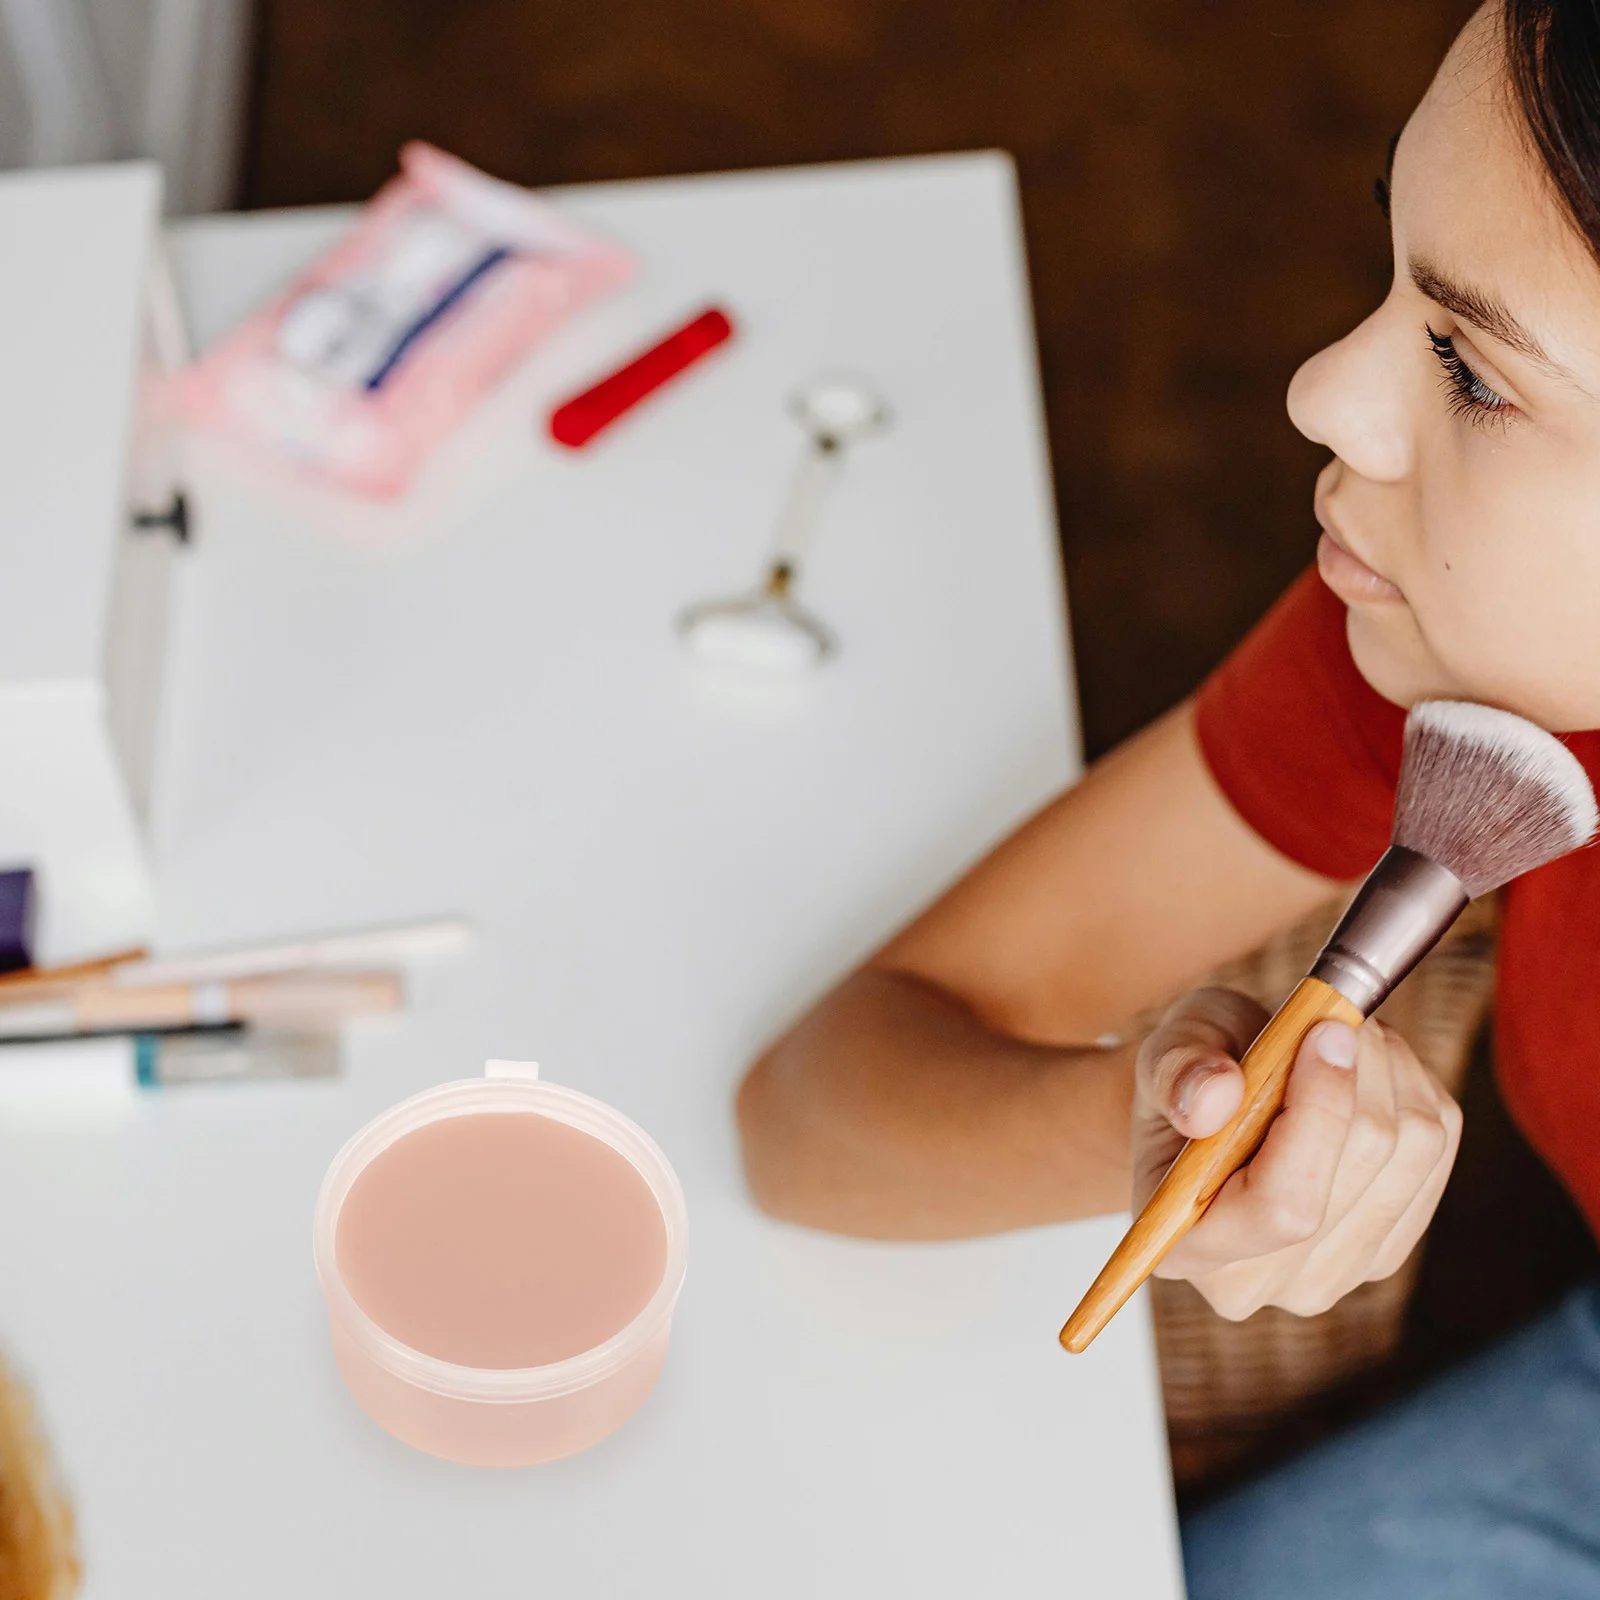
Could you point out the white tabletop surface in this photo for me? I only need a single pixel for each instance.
(488, 714)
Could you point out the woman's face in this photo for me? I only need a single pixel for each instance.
(1461, 511)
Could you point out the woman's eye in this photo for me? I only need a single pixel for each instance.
(1469, 395)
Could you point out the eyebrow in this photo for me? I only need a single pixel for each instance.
(1483, 311)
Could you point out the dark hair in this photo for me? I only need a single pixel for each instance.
(1553, 56)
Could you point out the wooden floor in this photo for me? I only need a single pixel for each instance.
(1197, 180)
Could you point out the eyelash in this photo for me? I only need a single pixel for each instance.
(1470, 396)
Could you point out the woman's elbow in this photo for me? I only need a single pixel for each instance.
(769, 1143)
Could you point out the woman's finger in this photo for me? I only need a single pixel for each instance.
(1281, 1197)
(1289, 1276)
(1393, 1212)
(1187, 1071)
(1413, 1222)
(1369, 1145)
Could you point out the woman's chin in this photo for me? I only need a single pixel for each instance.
(1389, 652)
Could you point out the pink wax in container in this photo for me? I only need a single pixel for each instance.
(501, 1258)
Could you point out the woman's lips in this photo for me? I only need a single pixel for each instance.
(1350, 577)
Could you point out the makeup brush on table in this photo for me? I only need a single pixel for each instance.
(1483, 797)
(273, 1000)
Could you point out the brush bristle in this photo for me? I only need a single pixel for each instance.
(1487, 794)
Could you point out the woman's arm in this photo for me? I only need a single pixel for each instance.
(952, 1086)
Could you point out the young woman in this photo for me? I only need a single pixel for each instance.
(953, 1086)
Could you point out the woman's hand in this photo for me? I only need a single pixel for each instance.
(1345, 1182)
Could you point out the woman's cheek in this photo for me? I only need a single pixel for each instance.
(1501, 600)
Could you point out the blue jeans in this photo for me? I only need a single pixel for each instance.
(1483, 1486)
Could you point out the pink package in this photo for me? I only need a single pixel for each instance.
(359, 369)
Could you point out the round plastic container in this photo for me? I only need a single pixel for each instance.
(500, 1417)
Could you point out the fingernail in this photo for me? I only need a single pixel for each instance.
(1335, 1042)
(1192, 1082)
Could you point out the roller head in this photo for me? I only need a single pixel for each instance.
(1488, 794)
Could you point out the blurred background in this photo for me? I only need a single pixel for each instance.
(1196, 182)
(1197, 194)
(1197, 188)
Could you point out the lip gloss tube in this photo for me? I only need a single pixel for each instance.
(576, 421)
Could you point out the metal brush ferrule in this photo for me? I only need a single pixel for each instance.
(1396, 918)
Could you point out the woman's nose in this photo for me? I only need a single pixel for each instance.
(1351, 397)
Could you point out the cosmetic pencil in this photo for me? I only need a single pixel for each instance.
(25, 982)
(417, 941)
(323, 998)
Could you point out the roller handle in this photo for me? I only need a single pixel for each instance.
(1202, 1166)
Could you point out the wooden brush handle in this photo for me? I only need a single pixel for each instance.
(1204, 1165)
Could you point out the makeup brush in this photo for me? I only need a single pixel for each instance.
(1483, 797)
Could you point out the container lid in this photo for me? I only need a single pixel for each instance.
(506, 1086)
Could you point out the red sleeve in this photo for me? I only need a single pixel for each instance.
(1306, 751)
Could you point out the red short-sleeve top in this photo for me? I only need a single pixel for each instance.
(1308, 753)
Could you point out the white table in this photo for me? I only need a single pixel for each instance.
(492, 718)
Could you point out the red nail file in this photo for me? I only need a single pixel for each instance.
(576, 421)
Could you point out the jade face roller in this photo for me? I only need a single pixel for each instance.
(768, 629)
